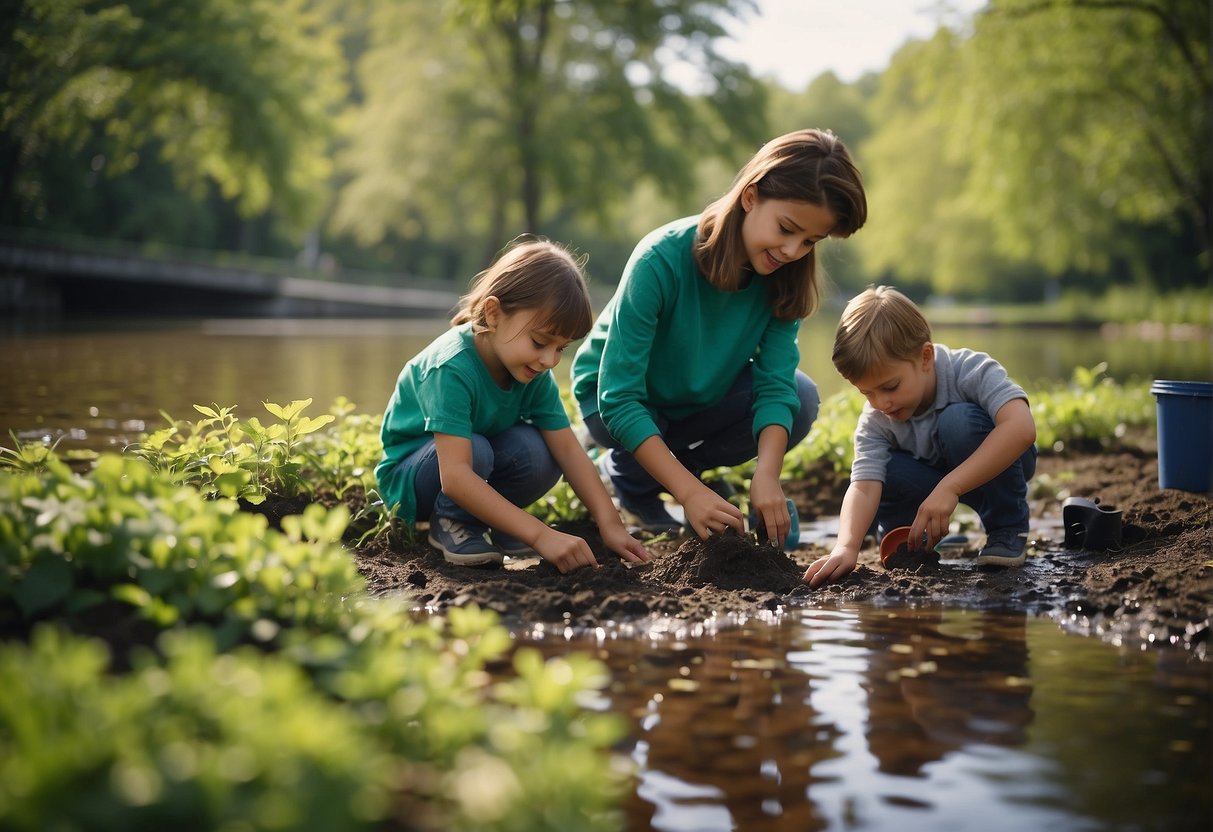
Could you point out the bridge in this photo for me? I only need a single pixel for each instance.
(40, 274)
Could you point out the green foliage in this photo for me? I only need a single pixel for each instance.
(1091, 411)
(222, 456)
(238, 93)
(1127, 305)
(129, 539)
(561, 503)
(359, 717)
(830, 440)
(399, 723)
(1131, 305)
(506, 90)
(200, 740)
(1090, 116)
(1058, 138)
(26, 456)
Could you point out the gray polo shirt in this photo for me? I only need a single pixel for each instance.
(961, 375)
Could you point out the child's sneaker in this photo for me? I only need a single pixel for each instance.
(650, 515)
(461, 543)
(511, 546)
(1004, 547)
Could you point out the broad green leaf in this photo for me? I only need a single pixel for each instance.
(48, 581)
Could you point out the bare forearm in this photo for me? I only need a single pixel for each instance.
(656, 458)
(859, 506)
(1014, 432)
(772, 445)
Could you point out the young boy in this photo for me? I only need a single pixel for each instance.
(940, 426)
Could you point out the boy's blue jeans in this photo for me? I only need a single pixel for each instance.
(1002, 503)
(722, 434)
(515, 462)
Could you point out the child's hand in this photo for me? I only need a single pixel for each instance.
(565, 551)
(628, 548)
(932, 519)
(708, 513)
(770, 509)
(834, 567)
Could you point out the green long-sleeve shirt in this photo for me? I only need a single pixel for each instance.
(670, 342)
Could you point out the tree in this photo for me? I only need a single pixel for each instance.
(1058, 138)
(520, 115)
(1087, 116)
(238, 93)
(923, 230)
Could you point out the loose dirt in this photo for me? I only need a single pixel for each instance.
(1155, 589)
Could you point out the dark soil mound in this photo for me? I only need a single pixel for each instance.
(728, 561)
(1156, 589)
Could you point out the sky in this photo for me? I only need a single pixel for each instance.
(794, 41)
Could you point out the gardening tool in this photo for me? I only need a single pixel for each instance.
(1088, 525)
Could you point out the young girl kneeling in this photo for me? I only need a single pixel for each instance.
(476, 430)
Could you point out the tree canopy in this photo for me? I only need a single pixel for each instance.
(238, 93)
(518, 116)
(1039, 141)
(1055, 138)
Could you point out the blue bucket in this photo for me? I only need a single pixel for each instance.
(1185, 434)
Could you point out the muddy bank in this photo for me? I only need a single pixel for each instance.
(1156, 588)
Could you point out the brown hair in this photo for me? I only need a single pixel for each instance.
(805, 166)
(535, 274)
(879, 326)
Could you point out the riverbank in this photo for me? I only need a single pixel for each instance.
(1156, 589)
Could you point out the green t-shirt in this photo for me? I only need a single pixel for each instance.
(670, 342)
(446, 388)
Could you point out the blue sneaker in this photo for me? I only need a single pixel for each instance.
(650, 515)
(1004, 547)
(463, 543)
(511, 546)
(647, 513)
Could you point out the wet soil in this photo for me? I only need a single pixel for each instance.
(1155, 588)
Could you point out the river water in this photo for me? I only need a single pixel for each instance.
(906, 719)
(99, 384)
(856, 718)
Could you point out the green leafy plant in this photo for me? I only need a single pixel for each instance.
(374, 714)
(201, 740)
(129, 537)
(222, 456)
(27, 456)
(342, 459)
(559, 504)
(830, 440)
(1091, 411)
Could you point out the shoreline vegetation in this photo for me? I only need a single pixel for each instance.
(231, 587)
(1184, 314)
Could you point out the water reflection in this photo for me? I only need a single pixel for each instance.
(908, 718)
(727, 733)
(937, 682)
